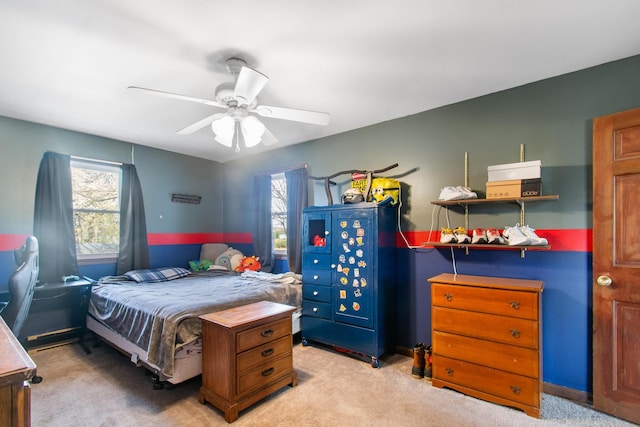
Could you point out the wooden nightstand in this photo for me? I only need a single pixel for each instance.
(246, 355)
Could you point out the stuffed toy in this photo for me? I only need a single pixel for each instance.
(229, 259)
(200, 265)
(319, 241)
(249, 263)
(385, 191)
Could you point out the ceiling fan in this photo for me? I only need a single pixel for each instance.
(239, 99)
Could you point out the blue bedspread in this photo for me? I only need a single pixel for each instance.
(162, 317)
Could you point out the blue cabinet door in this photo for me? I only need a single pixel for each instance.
(354, 240)
(316, 232)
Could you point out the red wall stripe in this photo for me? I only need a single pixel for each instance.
(569, 240)
(157, 239)
(9, 242)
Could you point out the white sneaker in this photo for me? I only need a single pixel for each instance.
(457, 193)
(447, 236)
(515, 237)
(479, 236)
(531, 234)
(461, 235)
(494, 237)
(466, 193)
(449, 193)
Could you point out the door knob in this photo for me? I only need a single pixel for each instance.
(604, 281)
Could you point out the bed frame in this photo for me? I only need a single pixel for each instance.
(187, 362)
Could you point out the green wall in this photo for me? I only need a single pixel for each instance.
(552, 118)
(161, 173)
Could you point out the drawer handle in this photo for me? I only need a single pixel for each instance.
(268, 352)
(515, 389)
(515, 333)
(315, 261)
(515, 305)
(315, 277)
(267, 333)
(268, 372)
(448, 296)
(449, 372)
(315, 293)
(315, 309)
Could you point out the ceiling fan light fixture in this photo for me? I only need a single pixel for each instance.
(224, 128)
(252, 130)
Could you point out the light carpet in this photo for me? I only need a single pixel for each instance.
(105, 389)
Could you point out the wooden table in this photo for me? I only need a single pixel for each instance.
(16, 368)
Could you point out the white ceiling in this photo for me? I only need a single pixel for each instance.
(67, 63)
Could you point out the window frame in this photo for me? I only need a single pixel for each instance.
(278, 253)
(104, 166)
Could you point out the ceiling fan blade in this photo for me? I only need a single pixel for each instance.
(200, 124)
(177, 96)
(303, 116)
(268, 138)
(249, 84)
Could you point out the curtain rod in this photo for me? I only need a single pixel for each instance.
(283, 170)
(86, 159)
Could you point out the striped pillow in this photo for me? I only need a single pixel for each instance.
(155, 275)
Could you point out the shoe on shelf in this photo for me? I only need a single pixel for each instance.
(494, 237)
(461, 235)
(447, 236)
(479, 235)
(531, 234)
(515, 237)
(417, 370)
(457, 193)
(467, 193)
(449, 193)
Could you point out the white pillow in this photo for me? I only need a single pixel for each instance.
(211, 251)
(228, 257)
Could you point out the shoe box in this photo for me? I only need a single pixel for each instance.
(514, 188)
(511, 171)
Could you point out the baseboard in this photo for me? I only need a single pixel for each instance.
(568, 393)
(404, 351)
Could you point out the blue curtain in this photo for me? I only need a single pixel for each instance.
(134, 248)
(262, 241)
(53, 218)
(297, 199)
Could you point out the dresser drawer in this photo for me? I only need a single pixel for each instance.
(263, 334)
(519, 360)
(316, 309)
(503, 384)
(322, 261)
(494, 301)
(264, 374)
(263, 354)
(508, 330)
(316, 293)
(316, 276)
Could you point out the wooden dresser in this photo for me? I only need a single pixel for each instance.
(246, 355)
(16, 368)
(487, 338)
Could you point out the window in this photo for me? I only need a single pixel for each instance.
(279, 213)
(96, 209)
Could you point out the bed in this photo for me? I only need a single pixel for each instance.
(156, 323)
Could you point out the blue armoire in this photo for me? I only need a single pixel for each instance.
(348, 278)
